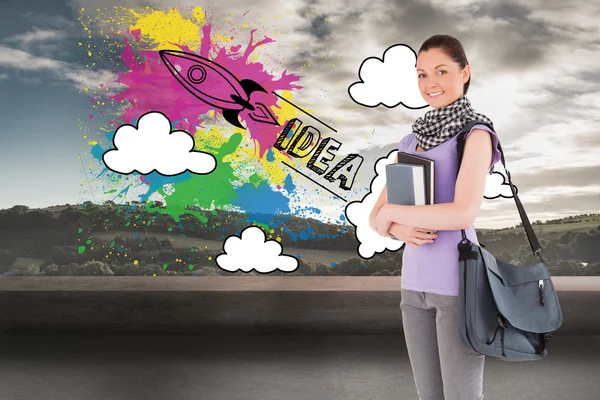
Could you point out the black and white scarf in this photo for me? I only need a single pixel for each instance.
(441, 124)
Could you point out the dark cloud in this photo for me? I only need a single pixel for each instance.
(520, 42)
(319, 27)
(526, 39)
(411, 22)
(501, 10)
(317, 24)
(55, 21)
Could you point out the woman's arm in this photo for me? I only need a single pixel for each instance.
(468, 195)
(381, 201)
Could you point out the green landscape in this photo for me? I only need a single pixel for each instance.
(141, 239)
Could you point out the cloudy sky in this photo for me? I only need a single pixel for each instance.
(534, 73)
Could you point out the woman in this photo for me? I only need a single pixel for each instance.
(443, 367)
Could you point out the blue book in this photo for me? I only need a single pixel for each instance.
(410, 182)
(406, 158)
(405, 184)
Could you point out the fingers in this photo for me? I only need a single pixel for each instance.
(422, 241)
(425, 236)
(426, 230)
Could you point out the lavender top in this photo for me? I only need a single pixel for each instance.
(433, 267)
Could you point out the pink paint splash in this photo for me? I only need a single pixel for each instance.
(151, 87)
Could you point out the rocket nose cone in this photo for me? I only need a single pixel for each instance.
(171, 59)
(168, 56)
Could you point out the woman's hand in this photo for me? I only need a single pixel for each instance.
(414, 237)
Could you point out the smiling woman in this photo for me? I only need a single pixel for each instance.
(430, 263)
(439, 82)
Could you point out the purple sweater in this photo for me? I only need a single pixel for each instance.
(433, 267)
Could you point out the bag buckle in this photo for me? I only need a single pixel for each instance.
(464, 245)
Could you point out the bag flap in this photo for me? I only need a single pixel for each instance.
(511, 275)
(516, 293)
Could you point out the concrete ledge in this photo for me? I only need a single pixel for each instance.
(236, 305)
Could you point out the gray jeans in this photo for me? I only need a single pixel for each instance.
(443, 367)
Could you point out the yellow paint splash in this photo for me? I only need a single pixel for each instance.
(214, 138)
(166, 28)
(199, 15)
(221, 38)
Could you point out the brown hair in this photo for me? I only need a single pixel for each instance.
(453, 48)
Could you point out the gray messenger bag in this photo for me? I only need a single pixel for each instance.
(505, 311)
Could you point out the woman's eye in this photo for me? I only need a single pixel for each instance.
(420, 75)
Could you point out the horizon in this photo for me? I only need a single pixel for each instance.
(345, 223)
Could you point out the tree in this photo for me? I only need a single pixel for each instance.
(19, 209)
(7, 258)
(89, 206)
(158, 204)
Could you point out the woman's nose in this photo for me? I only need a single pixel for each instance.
(432, 85)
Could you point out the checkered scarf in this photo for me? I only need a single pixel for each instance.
(441, 124)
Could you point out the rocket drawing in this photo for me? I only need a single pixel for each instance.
(214, 85)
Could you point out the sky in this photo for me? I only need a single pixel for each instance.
(533, 64)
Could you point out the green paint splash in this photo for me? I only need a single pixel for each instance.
(210, 190)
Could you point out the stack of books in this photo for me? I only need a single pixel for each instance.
(410, 180)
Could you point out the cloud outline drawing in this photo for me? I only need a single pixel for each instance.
(136, 141)
(251, 250)
(395, 48)
(377, 243)
(504, 183)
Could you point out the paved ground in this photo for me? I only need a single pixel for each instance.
(261, 367)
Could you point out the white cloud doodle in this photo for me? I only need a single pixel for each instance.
(390, 80)
(497, 185)
(251, 251)
(357, 213)
(153, 146)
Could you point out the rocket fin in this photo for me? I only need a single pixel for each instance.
(250, 86)
(232, 116)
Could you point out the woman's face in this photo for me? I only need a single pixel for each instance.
(447, 78)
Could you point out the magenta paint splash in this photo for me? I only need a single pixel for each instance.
(150, 86)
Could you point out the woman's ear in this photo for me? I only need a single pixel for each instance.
(466, 73)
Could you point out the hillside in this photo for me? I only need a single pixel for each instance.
(137, 239)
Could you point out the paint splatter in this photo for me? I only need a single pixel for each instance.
(249, 175)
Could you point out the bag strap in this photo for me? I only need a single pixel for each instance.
(533, 241)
